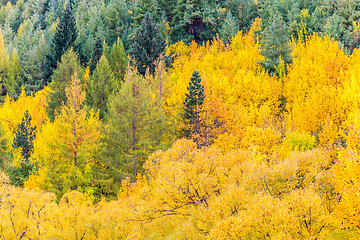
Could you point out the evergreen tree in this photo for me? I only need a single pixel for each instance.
(24, 137)
(193, 102)
(168, 7)
(101, 85)
(244, 12)
(13, 80)
(275, 45)
(118, 21)
(64, 38)
(67, 67)
(135, 124)
(118, 59)
(16, 20)
(32, 45)
(4, 61)
(72, 147)
(97, 53)
(229, 28)
(193, 21)
(25, 134)
(147, 45)
(144, 6)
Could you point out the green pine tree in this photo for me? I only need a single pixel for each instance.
(193, 102)
(12, 83)
(67, 67)
(135, 125)
(97, 53)
(193, 21)
(118, 59)
(118, 21)
(275, 45)
(24, 137)
(229, 28)
(144, 6)
(64, 38)
(101, 85)
(244, 12)
(147, 45)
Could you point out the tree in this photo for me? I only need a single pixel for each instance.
(13, 80)
(244, 12)
(101, 85)
(118, 20)
(275, 45)
(24, 137)
(32, 45)
(97, 53)
(193, 21)
(67, 149)
(134, 122)
(146, 6)
(147, 45)
(229, 28)
(193, 102)
(118, 59)
(4, 61)
(68, 65)
(64, 38)
(23, 140)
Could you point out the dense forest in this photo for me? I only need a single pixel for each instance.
(179, 119)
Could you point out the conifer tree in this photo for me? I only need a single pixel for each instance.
(144, 6)
(60, 79)
(229, 28)
(101, 85)
(4, 61)
(193, 21)
(13, 80)
(24, 137)
(64, 38)
(193, 101)
(118, 21)
(118, 60)
(147, 45)
(134, 124)
(98, 51)
(70, 146)
(275, 45)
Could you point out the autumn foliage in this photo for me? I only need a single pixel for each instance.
(278, 159)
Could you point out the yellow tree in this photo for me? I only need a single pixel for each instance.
(314, 89)
(347, 179)
(67, 148)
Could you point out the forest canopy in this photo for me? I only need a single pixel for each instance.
(152, 119)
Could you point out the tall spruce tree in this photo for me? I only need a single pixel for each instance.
(68, 66)
(24, 137)
(135, 124)
(118, 59)
(275, 45)
(100, 86)
(142, 7)
(97, 53)
(64, 38)
(229, 28)
(193, 101)
(193, 21)
(147, 45)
